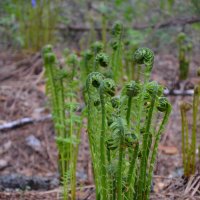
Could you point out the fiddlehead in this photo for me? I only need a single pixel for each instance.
(47, 49)
(102, 59)
(150, 88)
(132, 90)
(117, 29)
(163, 104)
(72, 62)
(97, 47)
(116, 44)
(94, 79)
(108, 87)
(144, 56)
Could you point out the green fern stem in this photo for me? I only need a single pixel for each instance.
(96, 78)
(91, 143)
(61, 103)
(75, 155)
(119, 173)
(194, 129)
(128, 114)
(145, 145)
(65, 188)
(102, 144)
(131, 172)
(183, 138)
(50, 70)
(155, 149)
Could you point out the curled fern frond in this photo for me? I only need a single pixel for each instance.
(185, 106)
(163, 104)
(47, 49)
(87, 55)
(97, 47)
(117, 29)
(97, 102)
(108, 86)
(114, 43)
(151, 88)
(115, 101)
(119, 126)
(132, 89)
(144, 56)
(61, 74)
(130, 140)
(72, 59)
(181, 37)
(102, 59)
(49, 58)
(94, 79)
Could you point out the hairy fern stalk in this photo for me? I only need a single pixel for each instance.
(189, 144)
(60, 88)
(122, 133)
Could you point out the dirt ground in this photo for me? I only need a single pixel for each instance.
(30, 149)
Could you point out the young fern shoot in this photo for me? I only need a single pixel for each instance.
(67, 121)
(124, 145)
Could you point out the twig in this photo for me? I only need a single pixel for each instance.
(163, 177)
(178, 92)
(23, 121)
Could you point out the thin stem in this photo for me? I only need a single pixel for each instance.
(92, 142)
(104, 26)
(102, 145)
(194, 131)
(155, 149)
(128, 114)
(145, 150)
(131, 172)
(119, 174)
(183, 139)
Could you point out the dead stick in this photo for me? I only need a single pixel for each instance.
(22, 122)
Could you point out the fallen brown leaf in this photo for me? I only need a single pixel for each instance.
(170, 150)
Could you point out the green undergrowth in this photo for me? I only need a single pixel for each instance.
(189, 141)
(185, 48)
(125, 121)
(62, 90)
(124, 131)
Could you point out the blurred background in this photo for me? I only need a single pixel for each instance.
(155, 23)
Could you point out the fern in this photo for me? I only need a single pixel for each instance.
(123, 139)
(61, 86)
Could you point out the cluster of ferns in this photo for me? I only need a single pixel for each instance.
(126, 115)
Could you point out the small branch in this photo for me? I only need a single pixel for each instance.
(22, 122)
(178, 92)
(28, 120)
(18, 181)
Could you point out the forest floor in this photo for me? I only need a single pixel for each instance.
(29, 151)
